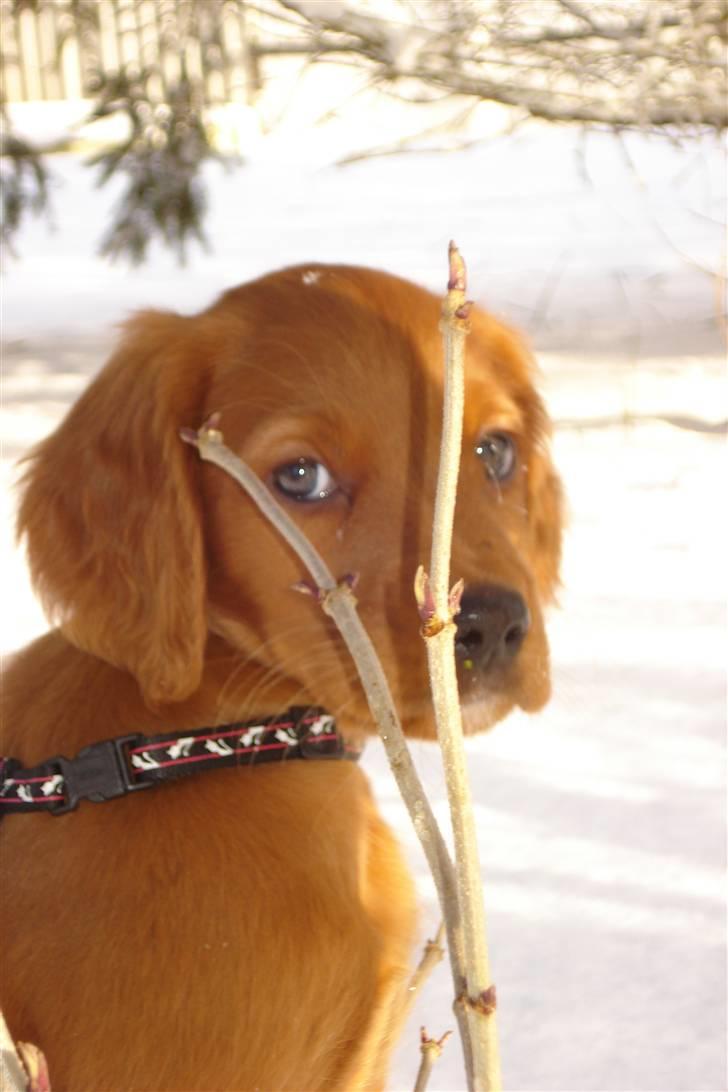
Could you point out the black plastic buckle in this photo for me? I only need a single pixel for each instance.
(99, 772)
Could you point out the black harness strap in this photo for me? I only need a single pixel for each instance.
(115, 767)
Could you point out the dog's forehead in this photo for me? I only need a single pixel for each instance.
(340, 338)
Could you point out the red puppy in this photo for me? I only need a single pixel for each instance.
(249, 928)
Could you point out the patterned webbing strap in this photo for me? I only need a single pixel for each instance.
(127, 764)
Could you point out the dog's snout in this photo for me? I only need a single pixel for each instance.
(491, 626)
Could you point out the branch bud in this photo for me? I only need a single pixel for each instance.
(307, 587)
(487, 1002)
(426, 607)
(207, 433)
(457, 280)
(455, 305)
(455, 597)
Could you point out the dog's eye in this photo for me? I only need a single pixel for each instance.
(305, 480)
(497, 452)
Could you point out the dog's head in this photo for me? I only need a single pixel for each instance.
(328, 380)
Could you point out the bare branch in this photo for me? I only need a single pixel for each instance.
(588, 62)
(650, 65)
(432, 955)
(580, 12)
(438, 604)
(337, 600)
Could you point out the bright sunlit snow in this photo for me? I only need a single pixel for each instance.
(601, 821)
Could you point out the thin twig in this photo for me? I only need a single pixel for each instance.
(432, 955)
(454, 327)
(430, 1049)
(438, 605)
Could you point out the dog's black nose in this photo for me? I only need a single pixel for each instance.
(491, 626)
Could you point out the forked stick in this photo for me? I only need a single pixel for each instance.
(459, 890)
(337, 600)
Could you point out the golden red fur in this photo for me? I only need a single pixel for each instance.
(249, 929)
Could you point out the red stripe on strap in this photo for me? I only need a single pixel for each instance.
(212, 756)
(213, 735)
(30, 780)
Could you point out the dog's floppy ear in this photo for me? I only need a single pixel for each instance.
(509, 359)
(545, 507)
(111, 514)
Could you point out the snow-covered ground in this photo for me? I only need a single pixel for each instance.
(602, 821)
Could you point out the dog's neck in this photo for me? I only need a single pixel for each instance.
(107, 700)
(126, 764)
(235, 693)
(235, 685)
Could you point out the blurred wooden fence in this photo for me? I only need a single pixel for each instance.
(56, 49)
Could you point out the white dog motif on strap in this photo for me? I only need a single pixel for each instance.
(218, 747)
(144, 761)
(254, 736)
(181, 747)
(287, 735)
